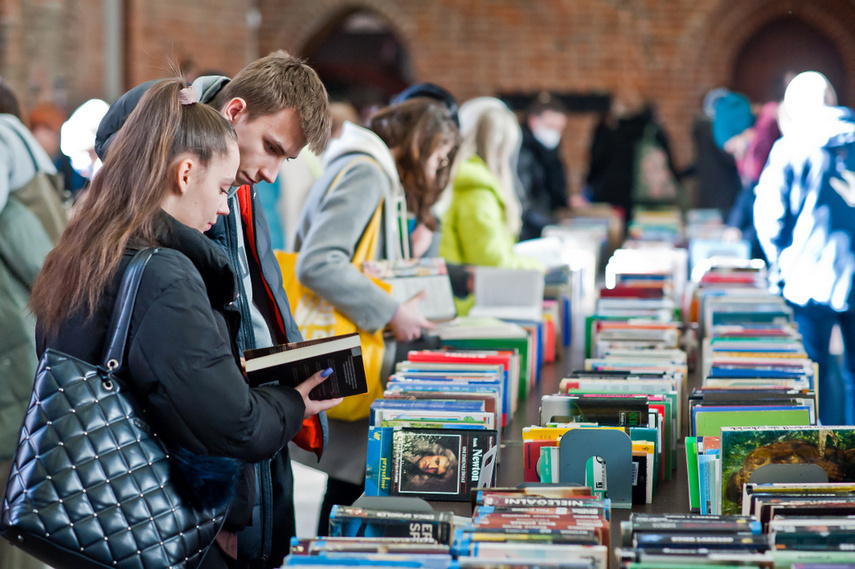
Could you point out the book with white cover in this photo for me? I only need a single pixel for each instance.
(508, 294)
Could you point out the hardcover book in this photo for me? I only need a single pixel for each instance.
(293, 363)
(349, 521)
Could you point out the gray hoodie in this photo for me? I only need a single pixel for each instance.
(334, 220)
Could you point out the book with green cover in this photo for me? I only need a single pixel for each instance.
(708, 420)
(692, 474)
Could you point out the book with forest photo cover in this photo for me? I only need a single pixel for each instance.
(293, 363)
(745, 449)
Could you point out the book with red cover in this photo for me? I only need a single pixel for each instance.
(625, 291)
(506, 358)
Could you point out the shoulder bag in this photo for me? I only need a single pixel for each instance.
(44, 196)
(90, 484)
(317, 318)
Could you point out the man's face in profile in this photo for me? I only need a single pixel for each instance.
(264, 141)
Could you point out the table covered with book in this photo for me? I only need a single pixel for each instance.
(669, 421)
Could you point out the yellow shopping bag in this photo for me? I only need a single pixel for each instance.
(317, 318)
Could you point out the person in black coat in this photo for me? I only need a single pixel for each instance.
(166, 180)
(541, 171)
(277, 105)
(612, 173)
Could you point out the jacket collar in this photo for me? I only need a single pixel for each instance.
(208, 258)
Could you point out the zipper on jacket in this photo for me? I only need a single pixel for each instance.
(244, 338)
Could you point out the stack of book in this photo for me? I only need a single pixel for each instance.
(633, 382)
(435, 432)
(660, 541)
(718, 277)
(755, 375)
(704, 223)
(534, 527)
(483, 337)
(368, 551)
(657, 224)
(809, 524)
(542, 449)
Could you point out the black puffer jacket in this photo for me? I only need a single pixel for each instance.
(544, 184)
(182, 359)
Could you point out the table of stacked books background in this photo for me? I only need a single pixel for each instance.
(741, 398)
(671, 498)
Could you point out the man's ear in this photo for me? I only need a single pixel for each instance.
(183, 173)
(233, 109)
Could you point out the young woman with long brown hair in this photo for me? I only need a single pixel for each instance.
(400, 160)
(166, 179)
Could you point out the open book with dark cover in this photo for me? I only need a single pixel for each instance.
(293, 363)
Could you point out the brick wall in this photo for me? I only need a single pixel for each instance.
(54, 49)
(211, 33)
(669, 51)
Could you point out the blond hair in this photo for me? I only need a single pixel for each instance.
(490, 131)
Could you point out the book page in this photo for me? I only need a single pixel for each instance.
(438, 305)
(507, 293)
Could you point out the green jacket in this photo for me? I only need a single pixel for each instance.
(473, 229)
(23, 246)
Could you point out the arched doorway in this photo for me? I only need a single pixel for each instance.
(360, 59)
(780, 49)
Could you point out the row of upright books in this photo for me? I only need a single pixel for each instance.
(622, 408)
(756, 379)
(435, 432)
(802, 526)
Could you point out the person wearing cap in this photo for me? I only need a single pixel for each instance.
(804, 215)
(714, 169)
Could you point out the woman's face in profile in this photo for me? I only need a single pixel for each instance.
(433, 464)
(436, 162)
(205, 190)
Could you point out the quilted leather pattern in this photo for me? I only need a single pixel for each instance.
(92, 478)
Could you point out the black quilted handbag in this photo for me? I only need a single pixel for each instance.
(90, 483)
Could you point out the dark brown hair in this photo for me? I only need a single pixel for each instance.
(413, 130)
(281, 81)
(545, 101)
(124, 199)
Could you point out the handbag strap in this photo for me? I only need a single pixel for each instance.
(123, 309)
(367, 245)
